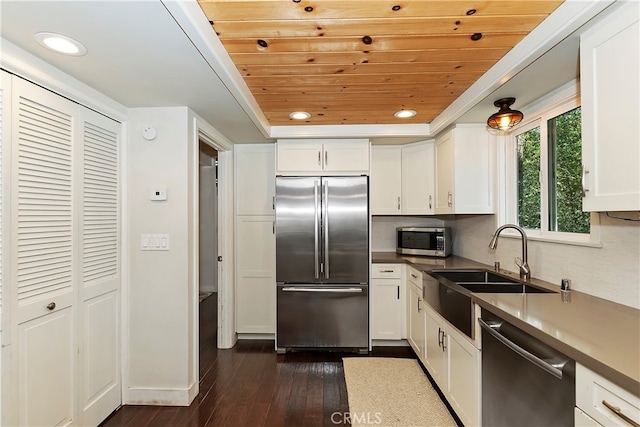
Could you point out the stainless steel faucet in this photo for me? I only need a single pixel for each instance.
(525, 271)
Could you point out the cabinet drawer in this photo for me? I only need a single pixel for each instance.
(414, 276)
(382, 271)
(600, 399)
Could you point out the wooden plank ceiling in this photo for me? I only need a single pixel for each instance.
(358, 62)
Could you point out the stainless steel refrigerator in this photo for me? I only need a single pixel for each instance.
(322, 263)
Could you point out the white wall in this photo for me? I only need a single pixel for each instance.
(611, 272)
(208, 225)
(160, 366)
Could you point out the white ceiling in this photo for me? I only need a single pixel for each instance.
(141, 54)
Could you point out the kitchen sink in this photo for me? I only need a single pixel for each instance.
(473, 276)
(503, 288)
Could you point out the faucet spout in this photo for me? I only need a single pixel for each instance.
(525, 271)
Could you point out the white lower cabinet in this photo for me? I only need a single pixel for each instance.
(386, 302)
(603, 402)
(415, 312)
(454, 363)
(255, 274)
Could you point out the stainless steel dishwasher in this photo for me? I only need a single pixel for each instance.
(524, 381)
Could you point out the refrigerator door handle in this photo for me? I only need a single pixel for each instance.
(325, 222)
(316, 213)
(324, 290)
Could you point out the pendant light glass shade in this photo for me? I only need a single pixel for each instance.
(505, 118)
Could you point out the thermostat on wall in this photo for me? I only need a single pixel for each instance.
(158, 193)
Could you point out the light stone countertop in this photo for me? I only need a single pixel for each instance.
(599, 334)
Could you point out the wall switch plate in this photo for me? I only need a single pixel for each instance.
(154, 242)
(158, 193)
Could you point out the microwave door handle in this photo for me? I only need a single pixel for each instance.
(325, 221)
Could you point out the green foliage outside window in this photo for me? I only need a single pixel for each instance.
(529, 179)
(564, 176)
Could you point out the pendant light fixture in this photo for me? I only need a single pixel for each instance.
(505, 118)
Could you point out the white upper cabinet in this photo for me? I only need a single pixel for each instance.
(418, 178)
(610, 83)
(386, 180)
(323, 156)
(255, 179)
(464, 161)
(402, 179)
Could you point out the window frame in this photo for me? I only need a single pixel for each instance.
(565, 99)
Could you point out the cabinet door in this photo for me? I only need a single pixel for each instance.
(254, 179)
(299, 157)
(473, 168)
(464, 377)
(255, 274)
(444, 174)
(415, 332)
(346, 156)
(418, 179)
(385, 181)
(386, 309)
(435, 359)
(610, 83)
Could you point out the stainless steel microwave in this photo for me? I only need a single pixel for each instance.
(428, 241)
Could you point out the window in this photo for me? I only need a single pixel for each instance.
(544, 192)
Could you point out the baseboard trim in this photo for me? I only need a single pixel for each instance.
(389, 343)
(162, 397)
(256, 336)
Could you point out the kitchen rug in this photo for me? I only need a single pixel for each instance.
(392, 392)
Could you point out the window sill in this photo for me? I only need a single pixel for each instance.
(553, 240)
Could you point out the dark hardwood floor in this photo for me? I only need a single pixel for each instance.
(250, 385)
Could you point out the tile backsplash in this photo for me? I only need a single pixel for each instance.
(610, 272)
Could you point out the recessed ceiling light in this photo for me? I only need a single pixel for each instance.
(299, 115)
(405, 114)
(61, 44)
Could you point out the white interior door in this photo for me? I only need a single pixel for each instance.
(100, 270)
(44, 254)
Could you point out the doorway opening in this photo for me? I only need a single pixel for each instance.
(207, 251)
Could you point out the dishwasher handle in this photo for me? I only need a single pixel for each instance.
(324, 290)
(554, 369)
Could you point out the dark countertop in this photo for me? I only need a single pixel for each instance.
(601, 335)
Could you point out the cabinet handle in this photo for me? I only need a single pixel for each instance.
(319, 158)
(398, 202)
(414, 276)
(419, 310)
(584, 181)
(326, 158)
(619, 413)
(439, 337)
(398, 291)
(273, 227)
(273, 203)
(386, 271)
(444, 342)
(51, 305)
(430, 201)
(449, 199)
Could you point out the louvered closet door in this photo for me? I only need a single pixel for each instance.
(44, 254)
(100, 269)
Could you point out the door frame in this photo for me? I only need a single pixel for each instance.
(226, 294)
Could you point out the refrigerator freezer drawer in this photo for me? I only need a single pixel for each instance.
(322, 316)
